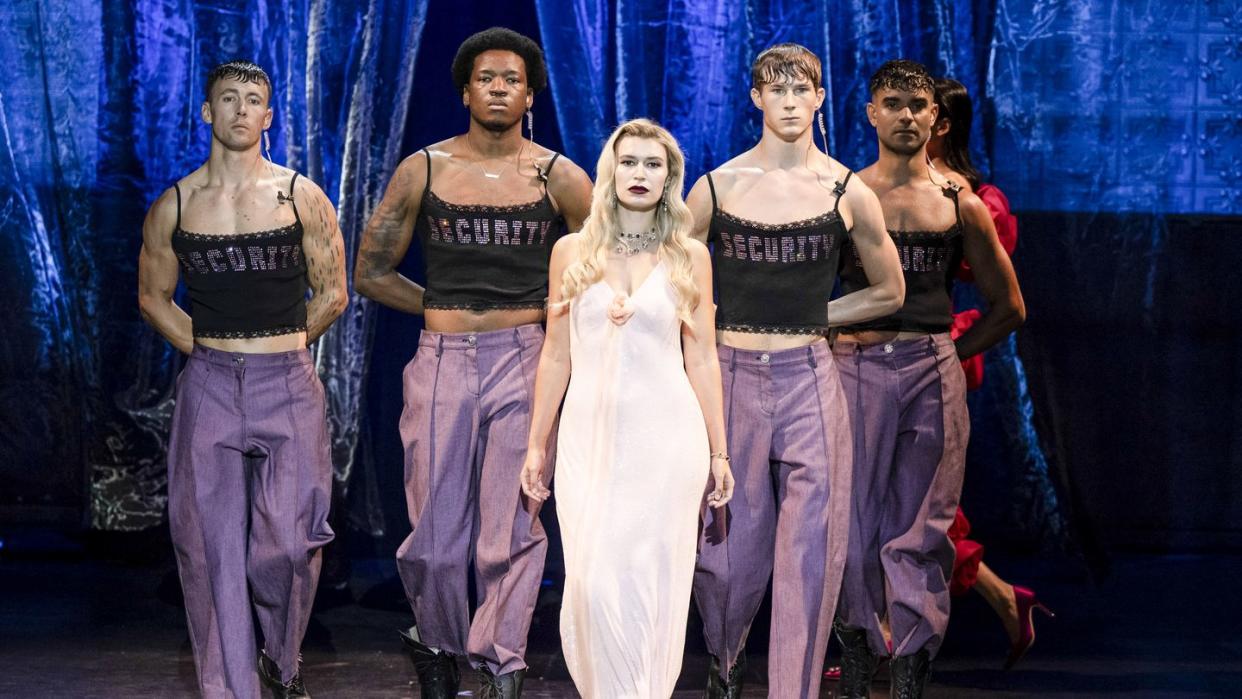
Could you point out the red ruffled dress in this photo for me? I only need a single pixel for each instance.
(970, 553)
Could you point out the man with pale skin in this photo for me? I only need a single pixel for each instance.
(487, 207)
(907, 394)
(777, 217)
(249, 466)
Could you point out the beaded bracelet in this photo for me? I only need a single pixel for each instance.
(720, 455)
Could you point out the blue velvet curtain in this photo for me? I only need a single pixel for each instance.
(1112, 125)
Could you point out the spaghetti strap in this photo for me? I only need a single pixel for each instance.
(178, 188)
(951, 191)
(712, 186)
(839, 190)
(427, 187)
(543, 174)
(293, 180)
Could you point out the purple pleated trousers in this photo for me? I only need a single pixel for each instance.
(465, 425)
(908, 408)
(789, 440)
(249, 482)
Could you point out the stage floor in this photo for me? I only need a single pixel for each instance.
(72, 625)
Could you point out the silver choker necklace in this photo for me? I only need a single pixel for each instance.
(630, 244)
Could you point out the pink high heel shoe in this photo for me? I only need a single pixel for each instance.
(1027, 604)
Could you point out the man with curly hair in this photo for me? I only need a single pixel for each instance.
(907, 394)
(486, 206)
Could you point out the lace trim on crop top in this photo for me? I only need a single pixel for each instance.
(226, 237)
(486, 208)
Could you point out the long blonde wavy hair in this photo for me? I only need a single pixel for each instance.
(673, 222)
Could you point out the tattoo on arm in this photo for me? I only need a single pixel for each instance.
(387, 235)
(325, 265)
(382, 246)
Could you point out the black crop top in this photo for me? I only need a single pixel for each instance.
(775, 278)
(244, 285)
(929, 261)
(482, 257)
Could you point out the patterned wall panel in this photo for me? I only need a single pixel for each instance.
(1126, 106)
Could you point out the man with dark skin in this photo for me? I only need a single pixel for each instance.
(778, 216)
(485, 206)
(907, 394)
(249, 467)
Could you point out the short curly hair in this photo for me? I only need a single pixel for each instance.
(244, 71)
(900, 74)
(500, 39)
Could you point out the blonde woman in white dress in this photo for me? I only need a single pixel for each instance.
(641, 445)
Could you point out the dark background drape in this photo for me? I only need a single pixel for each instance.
(1111, 420)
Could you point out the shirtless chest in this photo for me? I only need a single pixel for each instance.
(218, 210)
(919, 206)
(489, 183)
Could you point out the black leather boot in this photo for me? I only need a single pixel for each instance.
(910, 675)
(438, 676)
(719, 687)
(506, 686)
(858, 663)
(269, 672)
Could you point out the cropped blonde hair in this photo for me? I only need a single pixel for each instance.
(672, 222)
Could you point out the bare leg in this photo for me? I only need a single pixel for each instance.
(999, 594)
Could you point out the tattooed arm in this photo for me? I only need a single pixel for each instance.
(325, 259)
(157, 275)
(387, 237)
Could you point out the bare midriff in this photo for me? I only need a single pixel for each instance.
(875, 337)
(765, 342)
(255, 345)
(444, 320)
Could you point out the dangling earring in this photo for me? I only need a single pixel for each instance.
(267, 145)
(823, 130)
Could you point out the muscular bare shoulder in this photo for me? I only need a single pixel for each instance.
(565, 174)
(305, 186)
(974, 212)
(733, 171)
(410, 177)
(860, 204)
(858, 192)
(161, 218)
(957, 179)
(569, 188)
